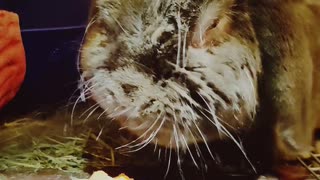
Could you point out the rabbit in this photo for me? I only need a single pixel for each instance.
(176, 73)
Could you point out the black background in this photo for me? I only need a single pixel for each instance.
(45, 13)
(51, 32)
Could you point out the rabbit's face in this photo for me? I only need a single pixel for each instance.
(173, 72)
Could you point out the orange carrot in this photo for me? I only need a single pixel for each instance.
(12, 57)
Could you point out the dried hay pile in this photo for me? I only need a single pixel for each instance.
(33, 146)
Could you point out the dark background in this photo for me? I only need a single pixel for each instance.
(45, 13)
(51, 32)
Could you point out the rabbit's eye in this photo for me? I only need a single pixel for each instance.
(213, 24)
(213, 31)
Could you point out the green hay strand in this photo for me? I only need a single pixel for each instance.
(58, 153)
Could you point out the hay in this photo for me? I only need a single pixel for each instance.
(59, 153)
(32, 146)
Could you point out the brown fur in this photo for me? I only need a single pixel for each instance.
(289, 37)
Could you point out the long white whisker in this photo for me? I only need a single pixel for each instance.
(220, 120)
(89, 109)
(87, 86)
(100, 133)
(104, 111)
(141, 126)
(115, 114)
(252, 90)
(191, 133)
(177, 140)
(92, 21)
(176, 133)
(228, 134)
(212, 112)
(144, 134)
(166, 151)
(200, 35)
(198, 151)
(85, 120)
(204, 140)
(148, 140)
(185, 49)
(178, 19)
(189, 151)
(169, 159)
(159, 154)
(73, 111)
(129, 117)
(155, 145)
(75, 104)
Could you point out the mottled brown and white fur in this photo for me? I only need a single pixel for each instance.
(179, 72)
